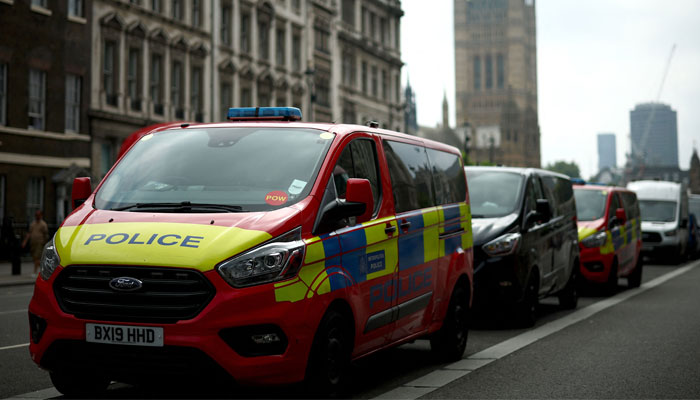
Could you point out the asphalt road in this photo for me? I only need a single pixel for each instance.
(647, 345)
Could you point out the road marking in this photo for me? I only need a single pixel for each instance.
(14, 347)
(12, 312)
(439, 378)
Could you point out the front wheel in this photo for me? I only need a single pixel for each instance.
(568, 297)
(450, 341)
(79, 384)
(635, 278)
(610, 286)
(526, 309)
(327, 374)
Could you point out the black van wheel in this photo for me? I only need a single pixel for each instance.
(635, 278)
(526, 309)
(568, 297)
(327, 373)
(79, 384)
(610, 286)
(450, 341)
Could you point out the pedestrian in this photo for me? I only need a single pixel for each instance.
(37, 236)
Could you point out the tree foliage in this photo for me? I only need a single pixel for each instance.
(566, 168)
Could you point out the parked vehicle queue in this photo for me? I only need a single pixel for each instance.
(262, 249)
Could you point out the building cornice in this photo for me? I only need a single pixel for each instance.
(68, 136)
(43, 161)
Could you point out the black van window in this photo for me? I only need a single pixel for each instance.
(448, 175)
(411, 179)
(358, 160)
(560, 194)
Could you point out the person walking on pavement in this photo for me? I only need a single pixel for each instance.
(37, 236)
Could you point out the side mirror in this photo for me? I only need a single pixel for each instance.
(621, 216)
(82, 188)
(360, 191)
(543, 210)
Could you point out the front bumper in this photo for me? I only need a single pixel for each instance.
(595, 267)
(190, 344)
(498, 281)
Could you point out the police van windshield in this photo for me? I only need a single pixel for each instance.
(657, 210)
(493, 193)
(590, 204)
(236, 169)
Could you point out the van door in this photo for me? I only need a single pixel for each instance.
(418, 221)
(536, 233)
(369, 250)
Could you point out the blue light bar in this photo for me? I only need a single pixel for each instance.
(264, 113)
(578, 181)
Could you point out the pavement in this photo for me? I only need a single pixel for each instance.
(24, 278)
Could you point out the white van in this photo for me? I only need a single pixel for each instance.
(664, 211)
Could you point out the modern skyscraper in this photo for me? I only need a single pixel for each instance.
(654, 132)
(496, 79)
(607, 156)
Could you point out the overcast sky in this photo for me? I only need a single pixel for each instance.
(596, 60)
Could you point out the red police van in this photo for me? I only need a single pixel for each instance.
(262, 248)
(609, 235)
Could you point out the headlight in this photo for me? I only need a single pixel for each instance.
(274, 260)
(671, 232)
(503, 245)
(595, 240)
(49, 260)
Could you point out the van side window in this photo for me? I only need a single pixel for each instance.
(630, 203)
(448, 176)
(358, 160)
(560, 194)
(411, 179)
(614, 205)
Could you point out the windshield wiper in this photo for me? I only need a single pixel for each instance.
(181, 206)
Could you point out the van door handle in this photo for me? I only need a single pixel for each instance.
(405, 225)
(390, 229)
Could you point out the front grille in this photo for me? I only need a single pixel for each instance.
(129, 363)
(168, 295)
(651, 237)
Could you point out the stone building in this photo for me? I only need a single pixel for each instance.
(496, 80)
(694, 173)
(44, 92)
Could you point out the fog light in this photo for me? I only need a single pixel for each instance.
(265, 338)
(37, 326)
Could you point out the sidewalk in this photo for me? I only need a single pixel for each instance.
(26, 278)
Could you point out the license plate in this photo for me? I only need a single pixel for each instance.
(124, 334)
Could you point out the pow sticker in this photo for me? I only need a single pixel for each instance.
(276, 198)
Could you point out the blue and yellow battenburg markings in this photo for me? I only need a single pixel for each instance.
(363, 253)
(616, 239)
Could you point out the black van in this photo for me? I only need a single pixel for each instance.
(525, 239)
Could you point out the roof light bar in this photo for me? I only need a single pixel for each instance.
(264, 113)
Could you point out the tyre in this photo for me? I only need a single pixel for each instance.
(568, 297)
(79, 384)
(526, 309)
(610, 286)
(635, 278)
(450, 341)
(328, 369)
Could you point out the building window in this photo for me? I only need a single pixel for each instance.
(323, 89)
(106, 157)
(37, 99)
(196, 94)
(365, 77)
(264, 40)
(3, 94)
(109, 79)
(373, 25)
(35, 196)
(280, 46)
(281, 98)
(75, 8)
(157, 6)
(348, 69)
(177, 10)
(133, 78)
(385, 85)
(245, 33)
(477, 73)
(348, 11)
(321, 39)
(384, 31)
(40, 3)
(375, 84)
(296, 52)
(226, 23)
(73, 83)
(296, 5)
(500, 71)
(176, 89)
(226, 100)
(196, 13)
(2, 198)
(246, 96)
(157, 83)
(489, 71)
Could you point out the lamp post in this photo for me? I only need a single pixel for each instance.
(466, 127)
(310, 74)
